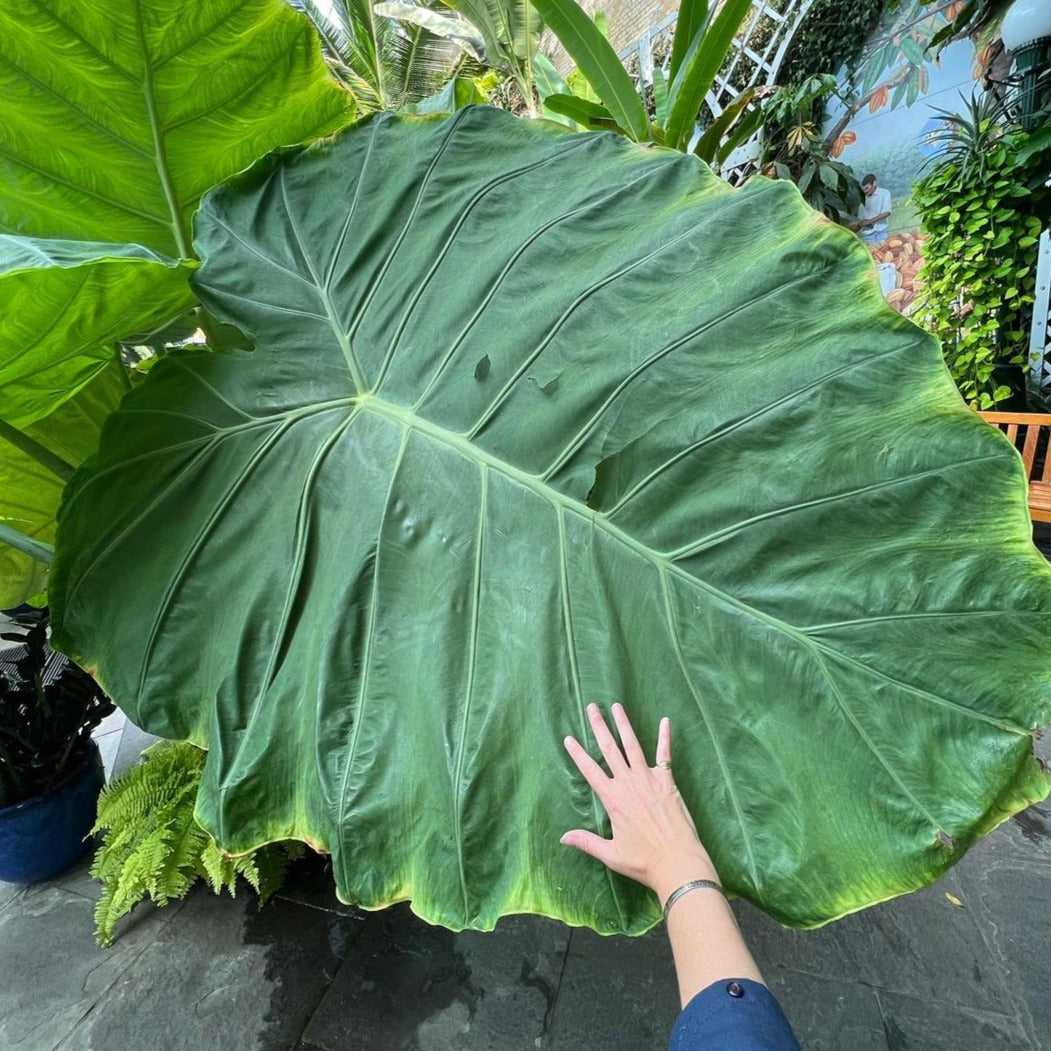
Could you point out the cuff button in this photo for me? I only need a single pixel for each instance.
(735, 989)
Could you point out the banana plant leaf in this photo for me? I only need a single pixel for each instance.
(63, 303)
(30, 492)
(538, 418)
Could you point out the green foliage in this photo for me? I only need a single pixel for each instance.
(153, 103)
(832, 36)
(152, 846)
(402, 56)
(387, 63)
(35, 463)
(981, 208)
(705, 471)
(648, 438)
(44, 730)
(793, 149)
(510, 32)
(98, 292)
(704, 35)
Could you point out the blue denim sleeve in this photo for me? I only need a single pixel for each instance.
(733, 1014)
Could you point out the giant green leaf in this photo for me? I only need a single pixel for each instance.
(117, 115)
(539, 418)
(30, 492)
(62, 302)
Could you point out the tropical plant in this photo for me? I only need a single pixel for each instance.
(152, 847)
(794, 148)
(388, 63)
(45, 727)
(95, 241)
(832, 35)
(689, 474)
(704, 35)
(507, 38)
(983, 206)
(396, 55)
(36, 461)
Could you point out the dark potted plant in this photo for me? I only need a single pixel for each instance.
(50, 768)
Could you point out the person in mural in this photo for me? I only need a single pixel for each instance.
(874, 212)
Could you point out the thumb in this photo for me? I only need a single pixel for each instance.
(599, 848)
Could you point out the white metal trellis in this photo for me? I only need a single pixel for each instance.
(748, 66)
(1040, 334)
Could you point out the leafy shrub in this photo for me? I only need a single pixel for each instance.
(979, 209)
(153, 847)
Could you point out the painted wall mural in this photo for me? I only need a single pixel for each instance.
(886, 129)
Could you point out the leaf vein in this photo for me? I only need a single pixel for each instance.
(778, 512)
(720, 757)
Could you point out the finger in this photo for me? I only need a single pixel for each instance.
(607, 746)
(593, 773)
(664, 742)
(601, 849)
(630, 743)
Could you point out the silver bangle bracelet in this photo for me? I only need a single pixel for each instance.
(694, 884)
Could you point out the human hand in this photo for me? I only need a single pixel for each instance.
(654, 838)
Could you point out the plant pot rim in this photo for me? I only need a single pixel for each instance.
(90, 756)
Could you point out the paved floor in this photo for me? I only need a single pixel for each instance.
(971, 972)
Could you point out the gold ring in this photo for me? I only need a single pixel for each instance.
(664, 764)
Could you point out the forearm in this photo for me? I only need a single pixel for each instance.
(706, 942)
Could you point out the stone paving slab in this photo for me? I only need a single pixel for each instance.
(616, 992)
(409, 985)
(225, 976)
(880, 948)
(827, 1014)
(53, 973)
(914, 1024)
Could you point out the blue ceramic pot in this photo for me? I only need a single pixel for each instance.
(42, 837)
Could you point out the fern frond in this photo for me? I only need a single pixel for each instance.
(272, 862)
(152, 845)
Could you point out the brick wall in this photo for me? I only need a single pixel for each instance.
(628, 20)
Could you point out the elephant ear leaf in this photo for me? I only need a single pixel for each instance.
(30, 491)
(540, 418)
(153, 103)
(63, 303)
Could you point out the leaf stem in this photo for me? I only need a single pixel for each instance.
(122, 368)
(27, 545)
(32, 448)
(206, 323)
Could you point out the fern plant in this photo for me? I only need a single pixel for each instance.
(152, 845)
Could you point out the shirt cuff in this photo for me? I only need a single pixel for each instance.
(733, 1014)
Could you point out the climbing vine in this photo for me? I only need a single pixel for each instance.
(980, 213)
(833, 35)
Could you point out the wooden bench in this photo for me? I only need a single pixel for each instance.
(1029, 433)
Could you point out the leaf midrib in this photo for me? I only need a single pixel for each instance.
(160, 158)
(662, 563)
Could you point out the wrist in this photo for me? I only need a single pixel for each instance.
(682, 869)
